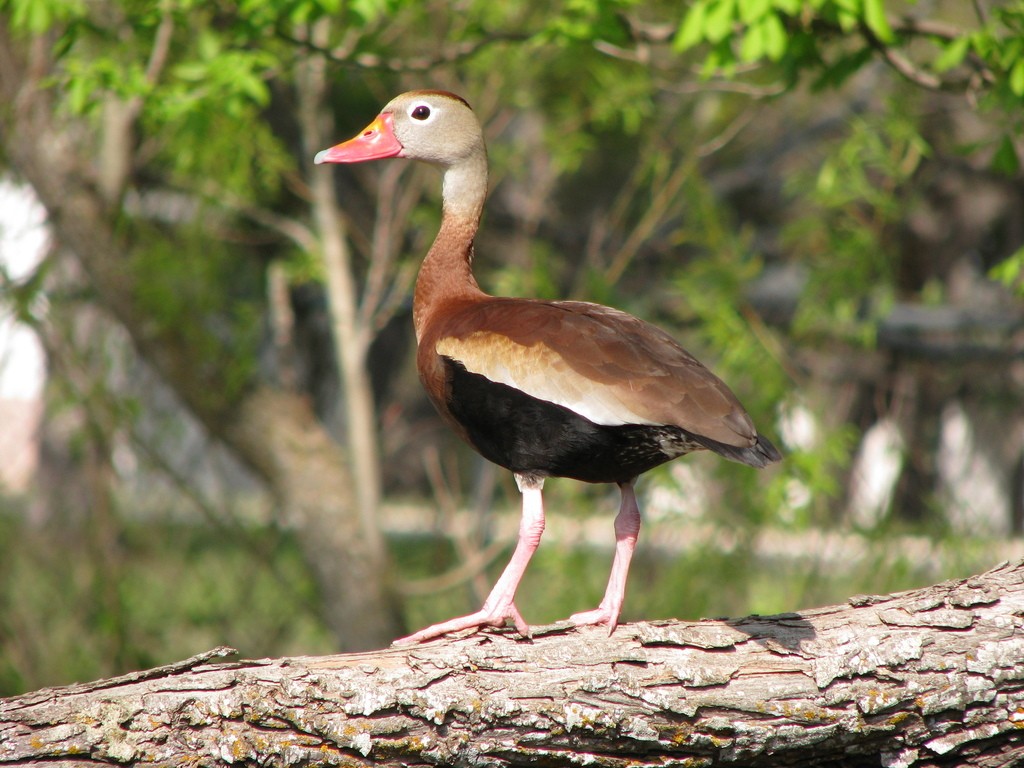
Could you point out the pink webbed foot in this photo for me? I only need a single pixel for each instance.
(599, 616)
(483, 618)
(500, 604)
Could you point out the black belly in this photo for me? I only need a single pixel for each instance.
(532, 436)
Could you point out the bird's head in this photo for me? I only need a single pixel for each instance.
(434, 126)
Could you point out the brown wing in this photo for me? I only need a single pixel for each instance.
(603, 364)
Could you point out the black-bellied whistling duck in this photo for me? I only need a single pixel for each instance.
(543, 388)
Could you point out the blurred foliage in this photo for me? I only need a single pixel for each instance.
(81, 601)
(848, 232)
(209, 293)
(982, 56)
(1011, 271)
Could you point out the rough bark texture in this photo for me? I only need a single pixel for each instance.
(932, 677)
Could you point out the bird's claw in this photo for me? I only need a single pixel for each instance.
(485, 617)
(597, 617)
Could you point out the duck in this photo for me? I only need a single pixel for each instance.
(542, 388)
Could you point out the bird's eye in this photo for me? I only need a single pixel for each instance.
(420, 112)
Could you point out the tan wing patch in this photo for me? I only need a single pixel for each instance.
(540, 372)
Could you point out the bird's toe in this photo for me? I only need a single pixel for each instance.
(482, 618)
(600, 616)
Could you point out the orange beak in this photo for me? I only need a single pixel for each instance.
(376, 141)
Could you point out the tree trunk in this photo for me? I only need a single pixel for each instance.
(930, 677)
(279, 435)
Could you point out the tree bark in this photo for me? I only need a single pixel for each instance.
(930, 677)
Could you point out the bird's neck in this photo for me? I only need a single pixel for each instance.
(464, 188)
(446, 273)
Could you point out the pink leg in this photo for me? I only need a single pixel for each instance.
(500, 604)
(627, 528)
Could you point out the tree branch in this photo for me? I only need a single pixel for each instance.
(120, 115)
(929, 677)
(903, 65)
(646, 33)
(344, 55)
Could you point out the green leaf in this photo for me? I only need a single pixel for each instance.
(826, 180)
(1013, 48)
(776, 40)
(191, 71)
(1005, 159)
(874, 18)
(789, 7)
(847, 7)
(369, 10)
(764, 39)
(32, 17)
(720, 20)
(38, 16)
(1010, 271)
(1016, 80)
(209, 45)
(721, 60)
(691, 31)
(78, 93)
(847, 21)
(752, 11)
(952, 54)
(752, 46)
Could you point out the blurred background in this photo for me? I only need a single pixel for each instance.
(211, 431)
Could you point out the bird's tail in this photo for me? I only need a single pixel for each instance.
(760, 454)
